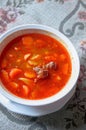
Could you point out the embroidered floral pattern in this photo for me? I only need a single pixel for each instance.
(83, 46)
(38, 126)
(82, 75)
(82, 15)
(77, 108)
(69, 32)
(12, 10)
(74, 113)
(8, 15)
(39, 0)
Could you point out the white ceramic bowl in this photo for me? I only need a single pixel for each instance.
(57, 101)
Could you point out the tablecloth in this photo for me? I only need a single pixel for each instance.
(69, 17)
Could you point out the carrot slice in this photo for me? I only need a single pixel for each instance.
(62, 57)
(58, 77)
(18, 60)
(65, 68)
(14, 72)
(5, 76)
(30, 74)
(40, 43)
(50, 58)
(13, 85)
(27, 40)
(33, 95)
(26, 81)
(26, 90)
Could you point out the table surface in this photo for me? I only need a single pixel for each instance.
(69, 17)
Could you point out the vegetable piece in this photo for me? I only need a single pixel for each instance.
(16, 48)
(33, 95)
(58, 77)
(26, 90)
(11, 55)
(32, 63)
(50, 58)
(40, 43)
(27, 40)
(26, 81)
(30, 74)
(62, 57)
(35, 57)
(18, 60)
(14, 72)
(47, 57)
(13, 85)
(26, 56)
(65, 68)
(28, 66)
(5, 76)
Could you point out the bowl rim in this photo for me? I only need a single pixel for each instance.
(72, 81)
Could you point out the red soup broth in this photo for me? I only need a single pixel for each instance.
(34, 66)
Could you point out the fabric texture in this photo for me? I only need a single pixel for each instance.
(69, 17)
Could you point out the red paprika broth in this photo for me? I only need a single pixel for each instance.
(35, 66)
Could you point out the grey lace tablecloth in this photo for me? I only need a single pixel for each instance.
(69, 17)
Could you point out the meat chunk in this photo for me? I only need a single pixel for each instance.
(41, 73)
(51, 65)
(37, 69)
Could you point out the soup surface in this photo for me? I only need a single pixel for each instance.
(34, 66)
